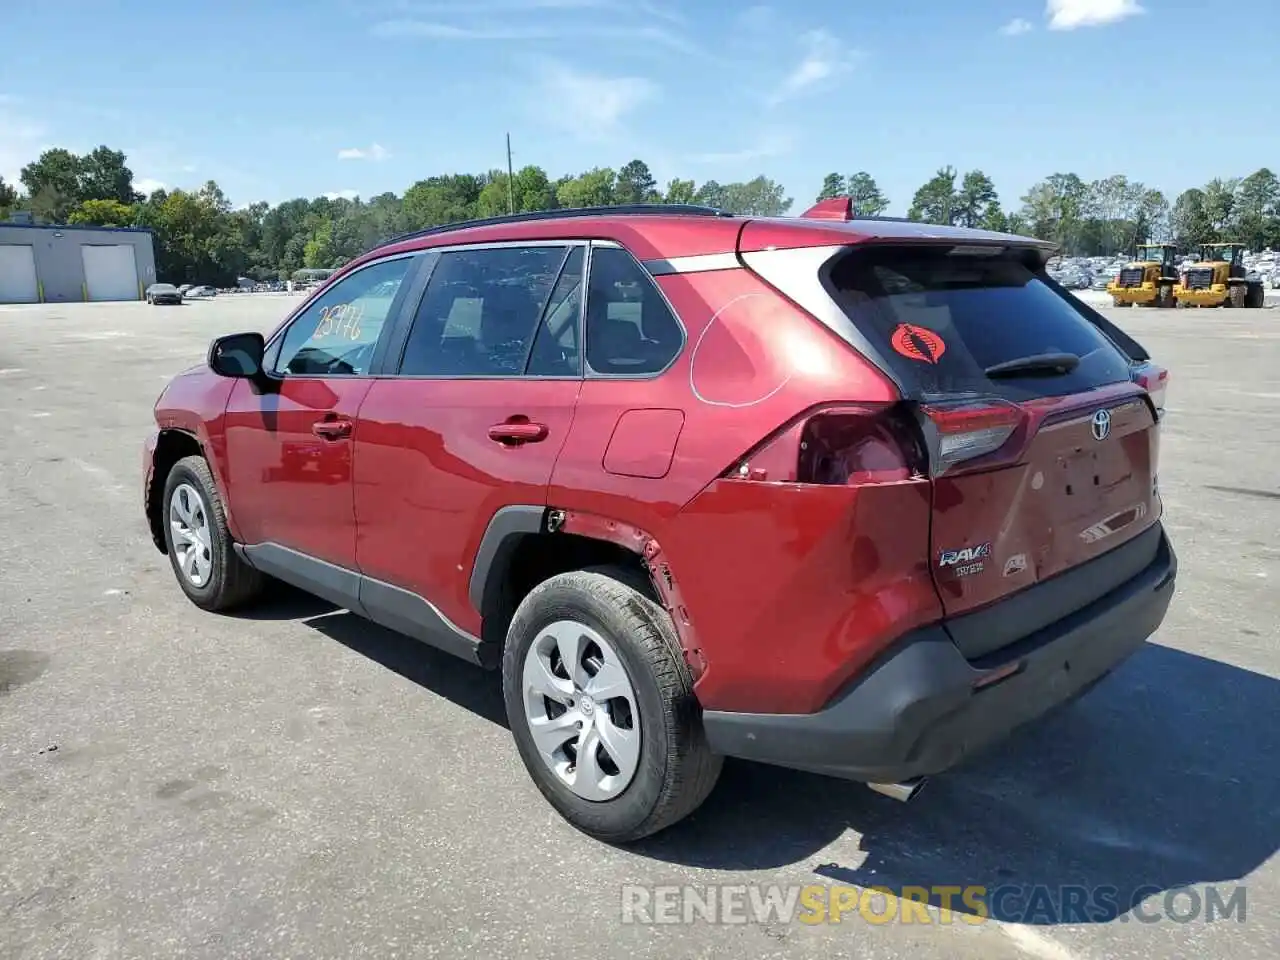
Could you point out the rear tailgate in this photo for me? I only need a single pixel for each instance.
(1043, 449)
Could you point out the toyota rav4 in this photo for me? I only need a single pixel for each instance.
(854, 496)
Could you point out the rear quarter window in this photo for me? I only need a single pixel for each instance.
(940, 321)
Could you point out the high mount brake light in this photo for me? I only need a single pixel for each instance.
(959, 432)
(846, 445)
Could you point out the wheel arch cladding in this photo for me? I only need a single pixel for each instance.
(172, 445)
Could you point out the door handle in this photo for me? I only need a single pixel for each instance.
(331, 429)
(519, 432)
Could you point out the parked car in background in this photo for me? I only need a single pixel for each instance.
(200, 292)
(854, 496)
(163, 293)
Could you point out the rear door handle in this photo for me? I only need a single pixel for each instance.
(523, 432)
(331, 429)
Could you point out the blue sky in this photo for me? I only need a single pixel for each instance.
(276, 100)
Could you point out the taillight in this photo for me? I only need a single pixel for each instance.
(844, 445)
(1154, 380)
(957, 433)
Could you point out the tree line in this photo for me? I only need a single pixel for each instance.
(1089, 218)
(201, 238)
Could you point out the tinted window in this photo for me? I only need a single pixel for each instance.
(337, 333)
(630, 328)
(941, 321)
(480, 311)
(557, 348)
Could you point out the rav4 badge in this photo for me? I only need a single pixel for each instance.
(967, 560)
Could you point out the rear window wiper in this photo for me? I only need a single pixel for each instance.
(1037, 364)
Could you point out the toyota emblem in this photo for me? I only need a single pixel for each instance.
(1101, 424)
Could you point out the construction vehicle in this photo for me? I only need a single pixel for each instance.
(1147, 280)
(1219, 279)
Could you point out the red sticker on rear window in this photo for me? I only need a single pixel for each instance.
(918, 343)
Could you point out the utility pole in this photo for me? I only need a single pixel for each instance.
(511, 189)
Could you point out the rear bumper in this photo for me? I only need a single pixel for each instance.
(923, 709)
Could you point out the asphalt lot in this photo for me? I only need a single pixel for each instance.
(293, 781)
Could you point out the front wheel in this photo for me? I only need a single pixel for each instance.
(601, 706)
(198, 542)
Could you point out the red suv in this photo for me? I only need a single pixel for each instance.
(855, 496)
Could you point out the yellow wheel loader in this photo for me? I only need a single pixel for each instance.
(1149, 279)
(1219, 280)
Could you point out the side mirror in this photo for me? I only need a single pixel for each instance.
(237, 355)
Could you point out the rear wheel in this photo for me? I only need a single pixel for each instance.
(1236, 298)
(1256, 297)
(601, 706)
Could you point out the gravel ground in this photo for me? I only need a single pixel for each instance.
(294, 782)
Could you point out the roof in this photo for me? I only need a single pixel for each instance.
(72, 226)
(666, 231)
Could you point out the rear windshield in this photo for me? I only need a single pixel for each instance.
(941, 321)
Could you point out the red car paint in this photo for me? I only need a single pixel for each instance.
(782, 589)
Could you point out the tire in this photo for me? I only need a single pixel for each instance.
(1236, 296)
(674, 769)
(229, 581)
(1255, 297)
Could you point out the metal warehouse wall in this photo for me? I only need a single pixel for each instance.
(60, 265)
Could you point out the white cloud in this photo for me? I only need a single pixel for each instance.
(589, 103)
(148, 185)
(1016, 27)
(341, 195)
(824, 58)
(1071, 14)
(374, 152)
(770, 145)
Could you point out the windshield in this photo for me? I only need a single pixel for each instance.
(943, 321)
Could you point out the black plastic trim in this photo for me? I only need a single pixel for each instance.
(326, 580)
(406, 612)
(982, 632)
(386, 604)
(506, 527)
(917, 712)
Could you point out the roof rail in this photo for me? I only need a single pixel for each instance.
(621, 210)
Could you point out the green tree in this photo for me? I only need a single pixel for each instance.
(635, 184)
(52, 181)
(1257, 209)
(318, 251)
(104, 175)
(103, 213)
(1220, 204)
(1053, 210)
(681, 191)
(760, 197)
(935, 202)
(862, 189)
(833, 185)
(1190, 223)
(595, 188)
(712, 194)
(975, 199)
(440, 200)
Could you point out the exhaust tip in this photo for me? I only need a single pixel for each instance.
(902, 792)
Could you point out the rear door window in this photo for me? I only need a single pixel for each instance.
(941, 321)
(483, 308)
